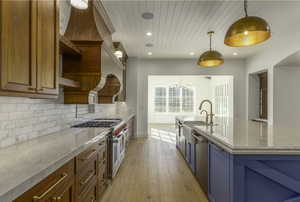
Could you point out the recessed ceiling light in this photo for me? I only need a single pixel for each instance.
(150, 53)
(235, 53)
(192, 53)
(149, 33)
(149, 45)
(147, 16)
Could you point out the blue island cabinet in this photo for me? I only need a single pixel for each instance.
(253, 178)
(218, 174)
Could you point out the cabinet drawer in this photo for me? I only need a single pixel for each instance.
(85, 157)
(86, 175)
(102, 172)
(101, 143)
(102, 156)
(51, 186)
(90, 195)
(102, 185)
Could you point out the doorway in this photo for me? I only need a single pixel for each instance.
(170, 96)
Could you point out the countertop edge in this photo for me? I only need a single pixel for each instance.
(246, 151)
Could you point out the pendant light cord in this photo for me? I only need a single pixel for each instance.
(210, 33)
(246, 7)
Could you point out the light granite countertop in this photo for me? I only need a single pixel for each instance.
(24, 165)
(248, 137)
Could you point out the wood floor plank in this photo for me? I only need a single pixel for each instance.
(154, 171)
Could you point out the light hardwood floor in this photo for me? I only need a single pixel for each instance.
(154, 171)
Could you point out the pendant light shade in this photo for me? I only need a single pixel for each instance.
(80, 4)
(210, 58)
(247, 31)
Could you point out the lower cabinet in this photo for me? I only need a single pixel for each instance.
(182, 143)
(83, 179)
(59, 186)
(219, 174)
(66, 194)
(191, 156)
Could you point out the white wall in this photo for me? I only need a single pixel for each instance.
(286, 96)
(202, 87)
(140, 69)
(277, 50)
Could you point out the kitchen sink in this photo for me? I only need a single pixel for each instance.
(199, 123)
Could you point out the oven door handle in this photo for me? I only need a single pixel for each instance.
(117, 138)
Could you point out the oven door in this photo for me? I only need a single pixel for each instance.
(123, 140)
(116, 151)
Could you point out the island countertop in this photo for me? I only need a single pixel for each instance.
(248, 137)
(24, 165)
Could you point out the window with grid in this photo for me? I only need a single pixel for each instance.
(174, 99)
(187, 100)
(160, 100)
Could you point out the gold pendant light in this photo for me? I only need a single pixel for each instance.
(247, 31)
(210, 58)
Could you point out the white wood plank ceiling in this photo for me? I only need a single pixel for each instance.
(180, 26)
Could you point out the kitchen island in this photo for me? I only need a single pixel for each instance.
(247, 161)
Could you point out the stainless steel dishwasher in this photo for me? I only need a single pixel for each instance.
(201, 150)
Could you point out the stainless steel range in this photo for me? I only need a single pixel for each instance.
(118, 145)
(98, 123)
(116, 141)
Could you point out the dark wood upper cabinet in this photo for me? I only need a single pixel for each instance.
(48, 46)
(29, 48)
(18, 66)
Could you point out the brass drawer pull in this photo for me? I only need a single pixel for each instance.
(89, 156)
(41, 89)
(57, 198)
(63, 177)
(88, 178)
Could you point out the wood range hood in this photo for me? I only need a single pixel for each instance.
(97, 69)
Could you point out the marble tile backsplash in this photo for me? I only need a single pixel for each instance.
(22, 119)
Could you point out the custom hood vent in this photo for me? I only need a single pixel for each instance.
(90, 31)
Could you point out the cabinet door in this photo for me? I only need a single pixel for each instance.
(18, 59)
(66, 193)
(219, 175)
(58, 184)
(47, 46)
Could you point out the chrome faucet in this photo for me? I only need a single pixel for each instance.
(206, 116)
(211, 112)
